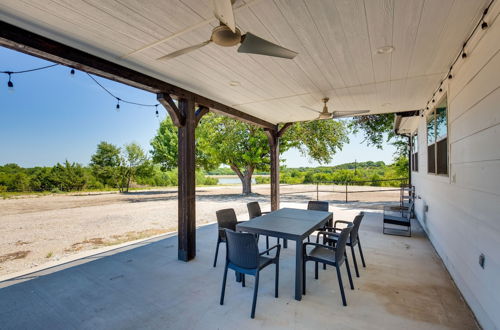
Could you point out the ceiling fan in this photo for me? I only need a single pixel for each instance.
(227, 35)
(324, 114)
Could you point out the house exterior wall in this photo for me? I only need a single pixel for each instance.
(463, 217)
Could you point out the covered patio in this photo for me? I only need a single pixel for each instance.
(419, 59)
(143, 286)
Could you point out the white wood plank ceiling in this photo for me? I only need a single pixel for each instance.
(337, 42)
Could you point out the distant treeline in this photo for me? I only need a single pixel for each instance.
(363, 173)
(110, 168)
(116, 168)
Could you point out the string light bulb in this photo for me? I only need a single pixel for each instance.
(117, 104)
(156, 111)
(10, 84)
(484, 25)
(72, 73)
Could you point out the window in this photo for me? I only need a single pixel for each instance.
(414, 152)
(437, 139)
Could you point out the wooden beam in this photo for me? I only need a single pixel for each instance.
(34, 44)
(187, 184)
(168, 103)
(283, 129)
(200, 113)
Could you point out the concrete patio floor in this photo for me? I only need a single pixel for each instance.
(144, 286)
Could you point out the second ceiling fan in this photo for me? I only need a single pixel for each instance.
(325, 114)
(227, 35)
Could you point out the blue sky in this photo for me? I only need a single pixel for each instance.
(52, 116)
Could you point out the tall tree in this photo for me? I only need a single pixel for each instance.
(135, 163)
(378, 129)
(105, 163)
(244, 148)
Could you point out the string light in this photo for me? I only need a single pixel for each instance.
(10, 84)
(120, 100)
(462, 54)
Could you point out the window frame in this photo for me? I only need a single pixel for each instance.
(443, 103)
(414, 151)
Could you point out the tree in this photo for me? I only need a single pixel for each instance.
(375, 128)
(245, 148)
(105, 163)
(134, 164)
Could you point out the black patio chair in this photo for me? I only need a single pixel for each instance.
(226, 219)
(401, 218)
(353, 239)
(334, 256)
(254, 211)
(317, 206)
(243, 257)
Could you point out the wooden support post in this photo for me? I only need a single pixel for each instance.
(274, 144)
(185, 118)
(273, 135)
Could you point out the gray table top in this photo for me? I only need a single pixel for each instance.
(286, 223)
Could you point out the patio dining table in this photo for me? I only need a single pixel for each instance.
(292, 224)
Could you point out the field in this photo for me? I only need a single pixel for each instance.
(48, 228)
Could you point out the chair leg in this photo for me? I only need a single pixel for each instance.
(216, 252)
(344, 302)
(348, 271)
(361, 253)
(316, 270)
(277, 279)
(308, 240)
(243, 280)
(354, 261)
(304, 277)
(255, 290)
(267, 244)
(223, 286)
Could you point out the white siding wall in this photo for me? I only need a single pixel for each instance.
(463, 219)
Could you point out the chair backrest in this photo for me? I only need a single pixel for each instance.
(317, 206)
(340, 246)
(254, 210)
(355, 227)
(226, 219)
(242, 249)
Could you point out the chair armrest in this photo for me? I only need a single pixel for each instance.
(267, 212)
(238, 222)
(328, 233)
(317, 245)
(332, 229)
(341, 221)
(277, 246)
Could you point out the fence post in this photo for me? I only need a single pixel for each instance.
(317, 191)
(346, 192)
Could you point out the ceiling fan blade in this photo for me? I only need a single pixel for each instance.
(223, 11)
(310, 109)
(341, 114)
(252, 44)
(184, 51)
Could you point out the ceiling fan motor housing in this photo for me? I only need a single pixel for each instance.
(223, 36)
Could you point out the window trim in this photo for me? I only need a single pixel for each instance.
(414, 152)
(433, 112)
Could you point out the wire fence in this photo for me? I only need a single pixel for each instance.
(345, 190)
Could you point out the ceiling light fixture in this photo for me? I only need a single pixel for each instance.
(385, 50)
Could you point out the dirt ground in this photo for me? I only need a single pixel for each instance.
(38, 230)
